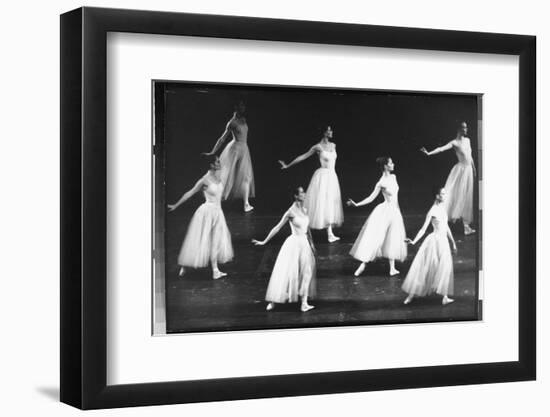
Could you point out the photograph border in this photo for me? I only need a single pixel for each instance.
(83, 292)
(159, 219)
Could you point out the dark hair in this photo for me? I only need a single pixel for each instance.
(382, 161)
(436, 189)
(295, 190)
(210, 159)
(459, 124)
(238, 103)
(321, 129)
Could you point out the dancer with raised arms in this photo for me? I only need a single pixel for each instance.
(383, 234)
(293, 275)
(323, 198)
(237, 173)
(460, 182)
(208, 239)
(432, 268)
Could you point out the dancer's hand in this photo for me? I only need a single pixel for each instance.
(350, 202)
(424, 150)
(207, 153)
(455, 250)
(409, 241)
(283, 165)
(258, 243)
(171, 207)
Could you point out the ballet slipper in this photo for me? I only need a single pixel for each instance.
(247, 208)
(394, 272)
(408, 299)
(359, 270)
(270, 306)
(333, 238)
(218, 274)
(181, 272)
(468, 231)
(446, 300)
(306, 307)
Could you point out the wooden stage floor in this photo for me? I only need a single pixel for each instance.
(197, 303)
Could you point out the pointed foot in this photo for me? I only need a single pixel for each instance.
(218, 274)
(446, 300)
(306, 307)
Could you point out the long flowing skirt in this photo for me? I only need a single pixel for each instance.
(293, 275)
(460, 192)
(207, 238)
(237, 173)
(432, 268)
(382, 235)
(323, 200)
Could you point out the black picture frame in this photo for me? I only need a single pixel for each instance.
(83, 207)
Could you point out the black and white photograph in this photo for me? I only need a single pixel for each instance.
(280, 207)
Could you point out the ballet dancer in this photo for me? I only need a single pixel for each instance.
(460, 182)
(432, 268)
(237, 174)
(208, 238)
(323, 200)
(383, 234)
(293, 275)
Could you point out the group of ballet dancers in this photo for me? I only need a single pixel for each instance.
(293, 278)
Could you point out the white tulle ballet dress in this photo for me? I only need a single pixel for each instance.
(383, 234)
(207, 235)
(293, 275)
(460, 183)
(236, 164)
(432, 268)
(323, 199)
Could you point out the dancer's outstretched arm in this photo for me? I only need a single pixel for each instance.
(451, 238)
(226, 133)
(367, 200)
(273, 231)
(300, 158)
(422, 229)
(443, 148)
(196, 188)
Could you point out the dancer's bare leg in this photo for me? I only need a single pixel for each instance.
(360, 269)
(330, 235)
(467, 229)
(216, 273)
(181, 272)
(393, 271)
(246, 193)
(305, 306)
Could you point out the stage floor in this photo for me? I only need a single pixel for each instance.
(197, 303)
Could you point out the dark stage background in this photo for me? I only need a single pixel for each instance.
(285, 122)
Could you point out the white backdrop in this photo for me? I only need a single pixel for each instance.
(30, 173)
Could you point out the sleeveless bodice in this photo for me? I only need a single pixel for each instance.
(240, 131)
(439, 219)
(299, 222)
(390, 189)
(212, 191)
(327, 159)
(463, 151)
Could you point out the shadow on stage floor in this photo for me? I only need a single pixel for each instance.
(197, 303)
